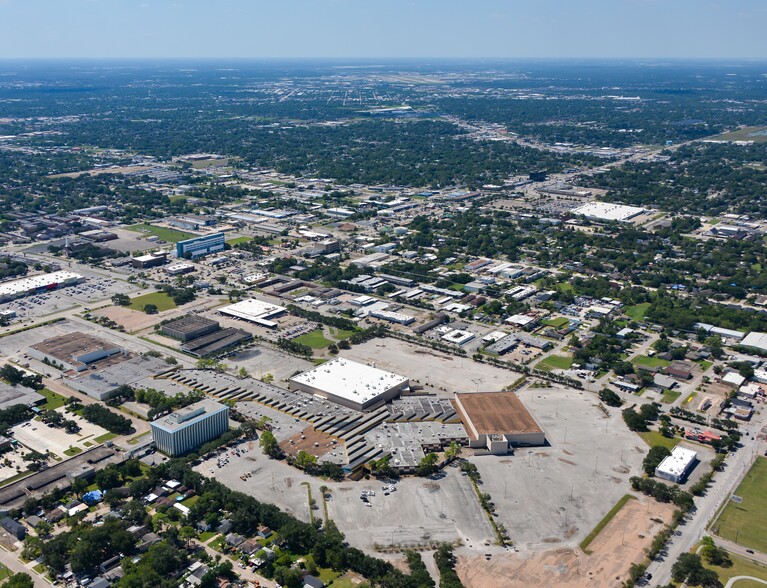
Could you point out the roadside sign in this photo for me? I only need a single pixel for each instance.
(736, 499)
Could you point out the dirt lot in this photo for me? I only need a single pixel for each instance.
(136, 320)
(438, 370)
(621, 543)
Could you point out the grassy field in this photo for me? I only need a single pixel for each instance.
(339, 334)
(564, 287)
(746, 523)
(670, 396)
(160, 299)
(4, 572)
(72, 451)
(557, 323)
(651, 362)
(741, 567)
(603, 523)
(315, 339)
(638, 311)
(54, 400)
(105, 437)
(705, 364)
(755, 134)
(343, 582)
(653, 438)
(555, 362)
(169, 235)
(238, 240)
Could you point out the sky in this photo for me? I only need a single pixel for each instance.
(362, 29)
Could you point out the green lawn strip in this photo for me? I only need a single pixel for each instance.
(603, 523)
(557, 323)
(54, 400)
(740, 567)
(327, 575)
(160, 299)
(638, 311)
(137, 438)
(555, 362)
(189, 502)
(688, 400)
(746, 523)
(72, 451)
(650, 362)
(705, 364)
(12, 479)
(207, 536)
(315, 340)
(105, 437)
(169, 235)
(339, 334)
(670, 396)
(343, 582)
(653, 438)
(238, 240)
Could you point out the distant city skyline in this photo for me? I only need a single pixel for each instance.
(339, 29)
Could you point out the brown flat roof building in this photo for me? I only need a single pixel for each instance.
(73, 350)
(497, 420)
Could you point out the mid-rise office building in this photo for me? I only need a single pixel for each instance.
(200, 246)
(188, 428)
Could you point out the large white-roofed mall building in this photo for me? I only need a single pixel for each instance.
(351, 384)
(38, 284)
(606, 211)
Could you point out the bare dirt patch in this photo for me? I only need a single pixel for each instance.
(621, 543)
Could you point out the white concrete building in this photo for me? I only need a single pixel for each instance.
(676, 466)
(255, 311)
(350, 384)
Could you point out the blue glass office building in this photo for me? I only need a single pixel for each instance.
(188, 428)
(200, 246)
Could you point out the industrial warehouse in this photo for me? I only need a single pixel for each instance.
(496, 421)
(202, 337)
(351, 384)
(73, 351)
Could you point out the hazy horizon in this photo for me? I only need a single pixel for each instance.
(396, 30)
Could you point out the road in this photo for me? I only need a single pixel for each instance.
(732, 581)
(245, 573)
(11, 561)
(723, 485)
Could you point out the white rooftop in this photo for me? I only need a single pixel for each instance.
(608, 211)
(755, 339)
(350, 380)
(252, 310)
(677, 463)
(734, 378)
(26, 284)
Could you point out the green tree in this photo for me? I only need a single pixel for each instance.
(269, 445)
(19, 580)
(120, 299)
(453, 450)
(653, 458)
(427, 466)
